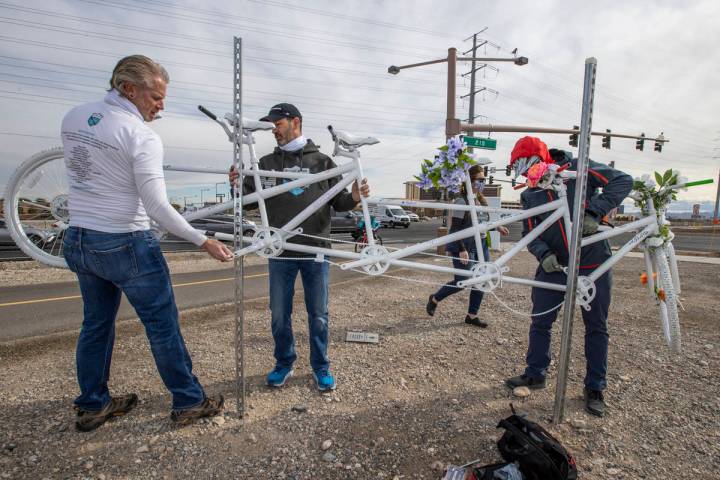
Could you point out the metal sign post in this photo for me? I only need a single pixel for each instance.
(237, 237)
(575, 237)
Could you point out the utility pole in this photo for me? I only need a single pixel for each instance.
(218, 196)
(201, 195)
(473, 70)
(453, 126)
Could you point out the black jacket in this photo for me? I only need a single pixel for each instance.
(615, 186)
(283, 208)
(461, 223)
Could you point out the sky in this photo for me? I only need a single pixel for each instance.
(657, 72)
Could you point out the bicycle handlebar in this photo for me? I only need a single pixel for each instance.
(707, 181)
(207, 112)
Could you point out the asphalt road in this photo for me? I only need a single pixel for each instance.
(27, 311)
(35, 310)
(420, 231)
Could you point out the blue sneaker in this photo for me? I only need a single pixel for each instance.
(279, 376)
(324, 380)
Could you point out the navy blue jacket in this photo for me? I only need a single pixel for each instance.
(606, 189)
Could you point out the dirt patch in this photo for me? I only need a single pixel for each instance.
(430, 392)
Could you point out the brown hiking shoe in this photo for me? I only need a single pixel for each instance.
(87, 420)
(210, 407)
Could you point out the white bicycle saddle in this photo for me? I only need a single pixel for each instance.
(350, 140)
(250, 125)
(255, 125)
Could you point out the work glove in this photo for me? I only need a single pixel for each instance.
(550, 264)
(590, 225)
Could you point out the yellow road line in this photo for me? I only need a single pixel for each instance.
(40, 300)
(72, 297)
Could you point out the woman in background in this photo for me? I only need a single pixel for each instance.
(464, 252)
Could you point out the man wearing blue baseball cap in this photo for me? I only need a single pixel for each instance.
(295, 153)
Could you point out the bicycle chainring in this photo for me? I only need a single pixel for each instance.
(372, 251)
(271, 241)
(486, 268)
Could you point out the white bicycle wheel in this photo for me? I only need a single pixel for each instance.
(36, 210)
(668, 305)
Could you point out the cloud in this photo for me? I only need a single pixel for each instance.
(656, 72)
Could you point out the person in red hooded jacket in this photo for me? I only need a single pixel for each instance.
(606, 189)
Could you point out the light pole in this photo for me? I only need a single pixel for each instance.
(201, 195)
(217, 197)
(185, 202)
(452, 124)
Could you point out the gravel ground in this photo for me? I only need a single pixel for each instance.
(430, 393)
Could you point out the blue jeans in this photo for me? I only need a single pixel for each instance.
(450, 288)
(595, 320)
(282, 289)
(107, 265)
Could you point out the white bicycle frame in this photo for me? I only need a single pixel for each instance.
(375, 259)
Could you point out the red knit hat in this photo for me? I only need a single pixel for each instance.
(526, 147)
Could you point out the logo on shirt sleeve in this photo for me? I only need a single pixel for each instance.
(94, 119)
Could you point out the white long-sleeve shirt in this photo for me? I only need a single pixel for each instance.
(114, 166)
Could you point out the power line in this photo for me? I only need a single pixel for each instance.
(391, 109)
(256, 20)
(192, 101)
(264, 30)
(193, 38)
(264, 76)
(315, 11)
(250, 58)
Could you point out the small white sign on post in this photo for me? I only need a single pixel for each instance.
(362, 337)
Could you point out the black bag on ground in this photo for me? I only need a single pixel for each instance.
(487, 472)
(540, 456)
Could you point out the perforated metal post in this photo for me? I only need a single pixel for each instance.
(575, 238)
(237, 231)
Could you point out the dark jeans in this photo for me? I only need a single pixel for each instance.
(107, 265)
(450, 288)
(282, 289)
(595, 320)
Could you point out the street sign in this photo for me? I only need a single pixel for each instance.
(477, 142)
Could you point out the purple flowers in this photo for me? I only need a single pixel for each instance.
(424, 182)
(448, 170)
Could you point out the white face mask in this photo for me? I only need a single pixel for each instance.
(295, 144)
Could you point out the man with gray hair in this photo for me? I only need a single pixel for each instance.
(115, 174)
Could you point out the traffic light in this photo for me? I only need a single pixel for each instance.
(491, 179)
(508, 171)
(485, 170)
(513, 182)
(640, 142)
(606, 139)
(574, 137)
(659, 143)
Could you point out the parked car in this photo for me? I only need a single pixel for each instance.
(390, 215)
(343, 222)
(414, 217)
(223, 225)
(40, 237)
